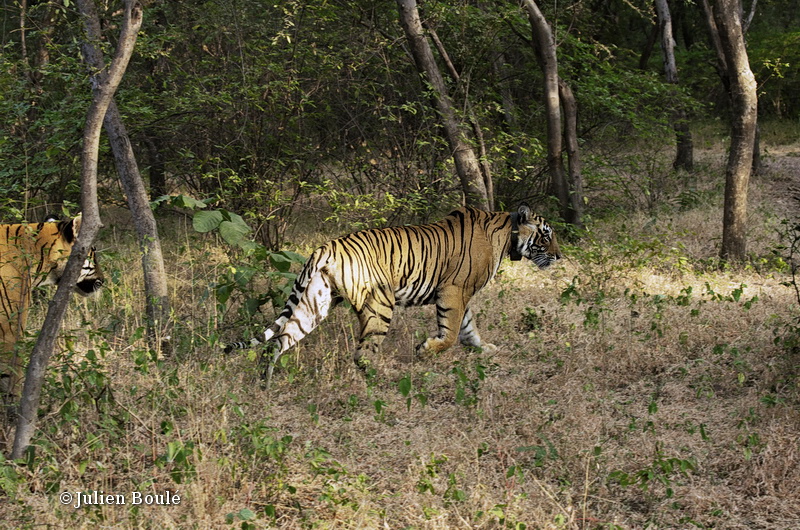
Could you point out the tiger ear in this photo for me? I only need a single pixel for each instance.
(524, 212)
(71, 228)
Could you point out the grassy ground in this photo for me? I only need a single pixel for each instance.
(635, 385)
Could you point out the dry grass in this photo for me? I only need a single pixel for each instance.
(617, 397)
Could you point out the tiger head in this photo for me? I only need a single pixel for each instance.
(534, 239)
(91, 277)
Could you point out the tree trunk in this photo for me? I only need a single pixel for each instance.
(514, 159)
(648, 48)
(575, 180)
(467, 164)
(486, 169)
(722, 66)
(157, 306)
(684, 157)
(545, 47)
(156, 172)
(722, 62)
(744, 105)
(104, 83)
(509, 106)
(746, 21)
(757, 166)
(41, 54)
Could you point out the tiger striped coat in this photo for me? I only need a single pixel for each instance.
(443, 263)
(32, 255)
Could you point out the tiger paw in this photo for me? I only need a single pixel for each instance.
(488, 347)
(422, 351)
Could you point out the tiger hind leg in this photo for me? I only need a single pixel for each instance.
(298, 319)
(374, 317)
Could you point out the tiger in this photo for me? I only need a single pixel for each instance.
(444, 263)
(32, 255)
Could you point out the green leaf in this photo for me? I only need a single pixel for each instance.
(184, 201)
(233, 232)
(283, 260)
(404, 386)
(251, 305)
(181, 201)
(207, 221)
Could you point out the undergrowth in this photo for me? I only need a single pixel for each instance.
(638, 384)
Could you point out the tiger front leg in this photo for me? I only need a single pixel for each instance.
(469, 336)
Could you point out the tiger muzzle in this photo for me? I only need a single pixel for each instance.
(89, 286)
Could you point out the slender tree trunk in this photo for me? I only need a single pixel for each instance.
(467, 164)
(722, 62)
(34, 60)
(747, 20)
(105, 83)
(486, 169)
(744, 104)
(157, 305)
(757, 166)
(544, 45)
(723, 70)
(684, 157)
(575, 179)
(513, 161)
(507, 99)
(35, 56)
(648, 48)
(157, 173)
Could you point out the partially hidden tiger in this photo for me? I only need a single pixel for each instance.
(443, 263)
(32, 255)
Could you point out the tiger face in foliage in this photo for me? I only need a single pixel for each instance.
(32, 255)
(443, 263)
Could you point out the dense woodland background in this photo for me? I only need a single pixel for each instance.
(643, 383)
(261, 105)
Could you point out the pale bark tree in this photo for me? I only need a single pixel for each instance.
(104, 84)
(684, 157)
(722, 63)
(574, 175)
(157, 306)
(486, 169)
(569, 194)
(727, 20)
(466, 162)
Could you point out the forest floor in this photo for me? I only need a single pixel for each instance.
(637, 384)
(782, 179)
